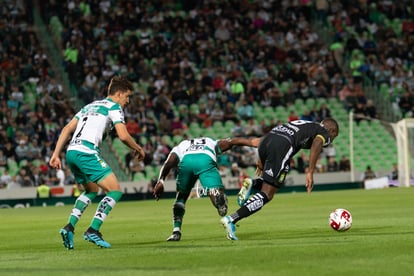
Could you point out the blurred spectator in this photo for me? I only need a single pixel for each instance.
(329, 152)
(394, 172)
(217, 114)
(164, 125)
(22, 150)
(133, 127)
(203, 117)
(230, 113)
(367, 175)
(149, 152)
(320, 166)
(161, 152)
(9, 150)
(371, 110)
(302, 162)
(260, 72)
(69, 177)
(3, 161)
(150, 127)
(236, 90)
(293, 116)
(235, 170)
(43, 191)
(135, 166)
(5, 179)
(359, 113)
(344, 164)
(347, 96)
(245, 111)
(332, 165)
(61, 177)
(177, 126)
(23, 179)
(405, 103)
(238, 129)
(252, 128)
(35, 151)
(306, 116)
(324, 112)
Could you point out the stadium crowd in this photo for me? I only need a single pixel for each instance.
(197, 62)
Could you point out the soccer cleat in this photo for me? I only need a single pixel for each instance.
(95, 237)
(220, 201)
(67, 236)
(176, 236)
(230, 228)
(245, 191)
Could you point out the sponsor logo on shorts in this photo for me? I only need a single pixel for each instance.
(269, 172)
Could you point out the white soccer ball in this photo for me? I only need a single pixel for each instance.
(340, 219)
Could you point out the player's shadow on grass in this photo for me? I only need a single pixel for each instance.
(140, 243)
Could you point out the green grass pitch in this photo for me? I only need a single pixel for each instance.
(290, 236)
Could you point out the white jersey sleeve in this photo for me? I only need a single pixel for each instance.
(95, 121)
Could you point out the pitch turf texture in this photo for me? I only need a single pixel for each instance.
(290, 236)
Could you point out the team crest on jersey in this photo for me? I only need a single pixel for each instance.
(103, 163)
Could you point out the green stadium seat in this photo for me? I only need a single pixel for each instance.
(168, 140)
(139, 176)
(176, 139)
(251, 171)
(13, 166)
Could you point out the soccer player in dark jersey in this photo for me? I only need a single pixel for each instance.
(276, 149)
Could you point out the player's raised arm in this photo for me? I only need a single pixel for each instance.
(127, 139)
(226, 144)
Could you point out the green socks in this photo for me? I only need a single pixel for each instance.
(178, 214)
(104, 207)
(80, 205)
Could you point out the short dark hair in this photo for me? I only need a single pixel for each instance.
(119, 83)
(331, 123)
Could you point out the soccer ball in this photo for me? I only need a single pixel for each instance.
(340, 220)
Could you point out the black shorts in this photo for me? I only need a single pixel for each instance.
(275, 152)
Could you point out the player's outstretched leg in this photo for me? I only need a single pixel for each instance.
(228, 224)
(104, 208)
(175, 236)
(67, 233)
(245, 191)
(178, 215)
(79, 207)
(95, 237)
(220, 201)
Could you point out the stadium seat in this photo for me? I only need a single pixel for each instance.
(176, 139)
(168, 140)
(229, 124)
(251, 171)
(13, 166)
(119, 148)
(139, 176)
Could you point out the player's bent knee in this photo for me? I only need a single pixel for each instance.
(179, 206)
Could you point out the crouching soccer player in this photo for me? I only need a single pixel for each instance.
(196, 159)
